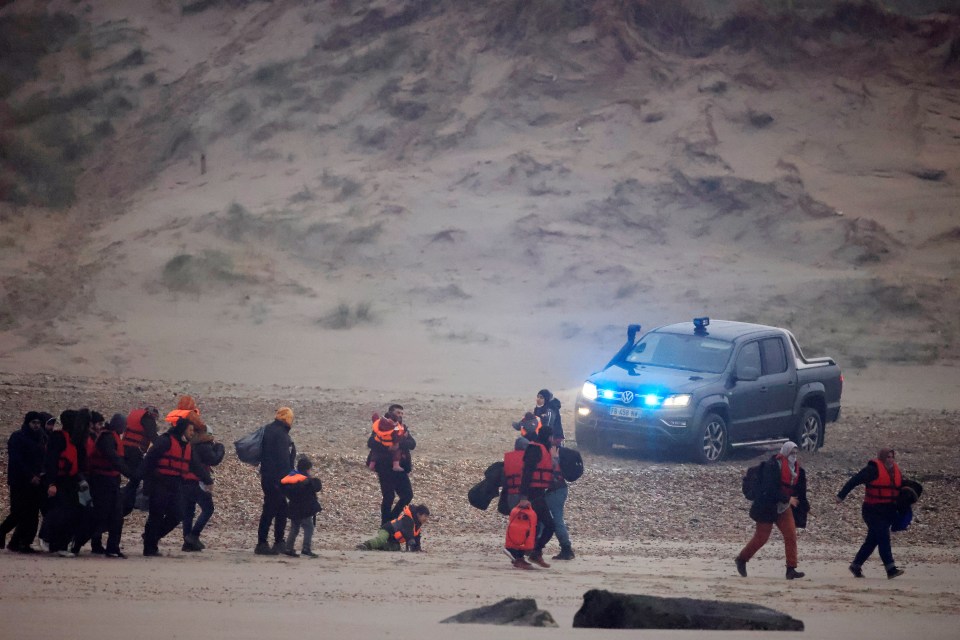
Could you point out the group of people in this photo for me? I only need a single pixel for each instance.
(781, 500)
(69, 471)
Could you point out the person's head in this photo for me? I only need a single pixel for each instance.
(285, 415)
(789, 451)
(49, 421)
(520, 444)
(396, 411)
(118, 423)
(888, 457)
(543, 397)
(97, 420)
(33, 421)
(527, 424)
(421, 513)
(304, 464)
(183, 429)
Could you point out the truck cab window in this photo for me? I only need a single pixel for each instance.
(774, 358)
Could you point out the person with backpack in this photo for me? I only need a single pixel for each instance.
(548, 411)
(780, 493)
(521, 534)
(567, 463)
(209, 453)
(884, 483)
(301, 490)
(527, 474)
(277, 455)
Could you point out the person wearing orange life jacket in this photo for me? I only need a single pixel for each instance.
(165, 466)
(528, 473)
(301, 490)
(393, 483)
(781, 498)
(186, 408)
(400, 533)
(521, 534)
(104, 467)
(209, 453)
(141, 431)
(883, 481)
(65, 462)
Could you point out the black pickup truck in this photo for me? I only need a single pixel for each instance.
(709, 386)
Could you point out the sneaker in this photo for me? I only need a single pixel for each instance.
(263, 549)
(537, 559)
(64, 553)
(44, 546)
(520, 563)
(793, 574)
(151, 553)
(507, 553)
(197, 541)
(565, 554)
(856, 571)
(291, 553)
(363, 547)
(189, 546)
(309, 554)
(97, 548)
(894, 572)
(116, 554)
(741, 567)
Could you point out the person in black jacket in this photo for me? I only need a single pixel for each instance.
(164, 469)
(548, 410)
(781, 500)
(534, 490)
(301, 490)
(65, 462)
(277, 453)
(105, 466)
(883, 482)
(393, 484)
(209, 453)
(24, 476)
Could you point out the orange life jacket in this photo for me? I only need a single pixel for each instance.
(134, 436)
(293, 478)
(543, 474)
(398, 530)
(883, 490)
(522, 529)
(512, 471)
(175, 462)
(787, 484)
(97, 463)
(387, 432)
(176, 414)
(68, 464)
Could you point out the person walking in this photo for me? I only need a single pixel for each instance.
(24, 477)
(65, 459)
(301, 490)
(528, 473)
(105, 465)
(782, 493)
(548, 410)
(556, 496)
(208, 453)
(277, 455)
(141, 431)
(385, 454)
(883, 481)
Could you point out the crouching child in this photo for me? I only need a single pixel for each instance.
(401, 533)
(300, 489)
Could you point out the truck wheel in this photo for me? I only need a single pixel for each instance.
(809, 434)
(587, 438)
(712, 442)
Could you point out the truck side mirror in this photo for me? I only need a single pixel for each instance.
(747, 374)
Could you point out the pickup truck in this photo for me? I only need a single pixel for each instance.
(709, 387)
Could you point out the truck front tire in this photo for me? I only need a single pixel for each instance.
(712, 442)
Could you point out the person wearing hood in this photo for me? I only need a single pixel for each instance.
(782, 495)
(548, 410)
(140, 433)
(277, 456)
(209, 453)
(105, 465)
(883, 481)
(165, 467)
(24, 477)
(65, 462)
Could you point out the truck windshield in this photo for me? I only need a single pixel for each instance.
(691, 353)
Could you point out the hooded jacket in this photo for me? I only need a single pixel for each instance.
(549, 413)
(25, 453)
(301, 492)
(764, 508)
(277, 454)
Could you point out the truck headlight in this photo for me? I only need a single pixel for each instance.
(589, 391)
(681, 400)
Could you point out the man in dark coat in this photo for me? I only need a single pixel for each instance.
(393, 484)
(781, 501)
(277, 455)
(209, 453)
(24, 475)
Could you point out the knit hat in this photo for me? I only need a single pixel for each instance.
(787, 448)
(187, 403)
(528, 420)
(285, 415)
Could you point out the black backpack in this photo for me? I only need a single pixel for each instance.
(751, 482)
(571, 464)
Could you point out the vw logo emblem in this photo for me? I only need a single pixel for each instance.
(627, 397)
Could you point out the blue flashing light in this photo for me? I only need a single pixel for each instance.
(607, 394)
(651, 400)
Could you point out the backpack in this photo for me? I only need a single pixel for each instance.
(522, 529)
(250, 446)
(571, 464)
(751, 482)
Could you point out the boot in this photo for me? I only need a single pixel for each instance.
(741, 566)
(856, 571)
(893, 572)
(263, 549)
(278, 548)
(537, 558)
(566, 553)
(793, 574)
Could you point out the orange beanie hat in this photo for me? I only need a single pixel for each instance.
(285, 415)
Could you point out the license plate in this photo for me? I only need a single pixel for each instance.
(623, 412)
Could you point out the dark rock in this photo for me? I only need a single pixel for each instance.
(606, 610)
(520, 612)
(934, 175)
(759, 120)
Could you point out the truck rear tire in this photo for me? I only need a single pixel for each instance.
(809, 434)
(712, 442)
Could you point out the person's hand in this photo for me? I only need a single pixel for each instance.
(794, 501)
(52, 491)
